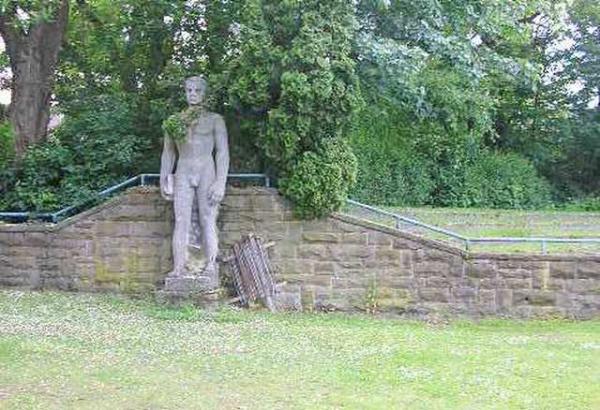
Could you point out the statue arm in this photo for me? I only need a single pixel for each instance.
(222, 151)
(167, 162)
(221, 161)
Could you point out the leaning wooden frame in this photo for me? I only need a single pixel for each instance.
(252, 271)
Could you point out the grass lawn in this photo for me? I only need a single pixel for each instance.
(62, 351)
(500, 223)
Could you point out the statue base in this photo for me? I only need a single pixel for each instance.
(189, 284)
(201, 290)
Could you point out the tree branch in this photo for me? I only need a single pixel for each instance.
(529, 19)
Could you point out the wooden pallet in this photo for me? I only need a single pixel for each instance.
(252, 271)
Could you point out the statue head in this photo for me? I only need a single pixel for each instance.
(196, 88)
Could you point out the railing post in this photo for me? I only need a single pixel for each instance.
(397, 223)
(143, 182)
(267, 181)
(467, 245)
(544, 250)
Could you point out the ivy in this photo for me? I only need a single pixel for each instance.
(176, 125)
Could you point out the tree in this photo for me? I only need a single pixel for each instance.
(294, 72)
(33, 32)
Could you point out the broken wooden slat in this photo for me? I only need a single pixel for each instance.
(252, 272)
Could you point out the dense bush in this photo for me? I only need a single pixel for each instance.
(589, 204)
(498, 180)
(320, 182)
(295, 74)
(390, 170)
(96, 146)
(7, 138)
(408, 164)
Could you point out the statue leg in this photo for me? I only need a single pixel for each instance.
(210, 237)
(182, 204)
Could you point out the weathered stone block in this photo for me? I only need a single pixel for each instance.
(486, 302)
(359, 238)
(341, 226)
(540, 279)
(518, 283)
(315, 251)
(318, 226)
(441, 295)
(385, 258)
(346, 252)
(437, 255)
(492, 283)
(294, 266)
(588, 270)
(380, 239)
(464, 294)
(406, 244)
(425, 268)
(516, 273)
(288, 300)
(438, 282)
(396, 281)
(349, 265)
(563, 270)
(481, 269)
(582, 286)
(284, 250)
(320, 237)
(324, 267)
(504, 299)
(534, 297)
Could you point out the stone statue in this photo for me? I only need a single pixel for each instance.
(195, 145)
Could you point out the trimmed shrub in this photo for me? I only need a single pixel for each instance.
(319, 183)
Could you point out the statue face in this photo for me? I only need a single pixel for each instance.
(195, 92)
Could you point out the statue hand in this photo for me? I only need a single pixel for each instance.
(216, 192)
(166, 191)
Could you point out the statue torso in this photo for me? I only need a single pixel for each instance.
(200, 142)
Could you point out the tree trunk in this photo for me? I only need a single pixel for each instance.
(33, 59)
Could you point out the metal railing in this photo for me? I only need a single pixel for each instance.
(469, 241)
(152, 179)
(139, 180)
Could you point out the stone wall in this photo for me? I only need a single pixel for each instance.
(338, 263)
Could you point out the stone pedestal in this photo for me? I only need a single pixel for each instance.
(200, 290)
(189, 284)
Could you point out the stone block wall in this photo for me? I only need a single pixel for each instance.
(337, 263)
(121, 245)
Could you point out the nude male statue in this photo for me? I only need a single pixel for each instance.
(199, 176)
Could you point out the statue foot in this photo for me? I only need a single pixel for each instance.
(175, 273)
(211, 267)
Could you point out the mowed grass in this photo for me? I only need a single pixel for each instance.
(497, 223)
(66, 351)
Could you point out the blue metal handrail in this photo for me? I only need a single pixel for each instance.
(468, 241)
(139, 180)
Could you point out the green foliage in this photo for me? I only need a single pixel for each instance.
(176, 125)
(298, 80)
(589, 204)
(320, 181)
(575, 169)
(452, 88)
(503, 181)
(414, 164)
(390, 170)
(7, 140)
(96, 146)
